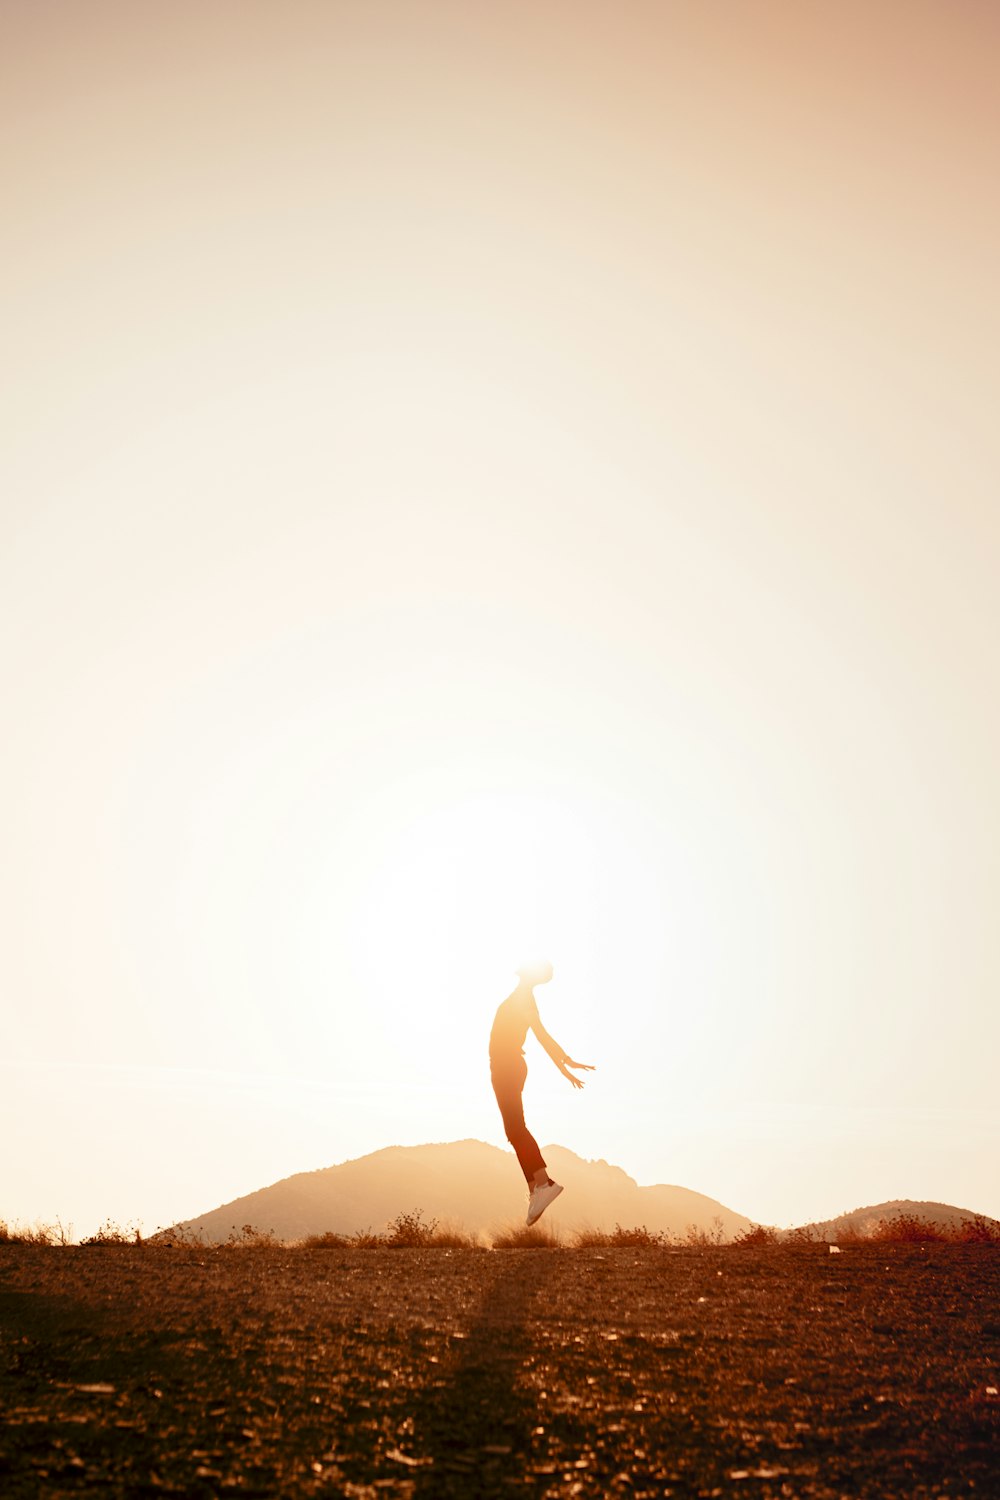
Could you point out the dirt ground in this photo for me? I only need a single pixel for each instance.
(427, 1373)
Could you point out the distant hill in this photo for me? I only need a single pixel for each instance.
(465, 1183)
(861, 1221)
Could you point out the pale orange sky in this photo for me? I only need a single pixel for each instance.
(478, 479)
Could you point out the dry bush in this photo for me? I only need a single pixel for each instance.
(638, 1237)
(366, 1239)
(703, 1239)
(524, 1237)
(406, 1232)
(977, 1231)
(851, 1234)
(805, 1234)
(176, 1238)
(114, 1234)
(450, 1238)
(911, 1229)
(249, 1237)
(591, 1239)
(908, 1229)
(755, 1236)
(35, 1234)
(411, 1232)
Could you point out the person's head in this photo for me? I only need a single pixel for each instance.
(538, 971)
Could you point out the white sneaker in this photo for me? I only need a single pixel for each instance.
(540, 1199)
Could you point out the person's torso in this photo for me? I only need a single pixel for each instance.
(510, 1027)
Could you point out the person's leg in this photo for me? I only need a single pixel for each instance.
(507, 1085)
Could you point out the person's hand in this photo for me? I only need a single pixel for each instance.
(588, 1067)
(576, 1082)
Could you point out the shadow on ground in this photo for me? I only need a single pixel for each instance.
(478, 1422)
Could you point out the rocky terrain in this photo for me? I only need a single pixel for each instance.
(783, 1371)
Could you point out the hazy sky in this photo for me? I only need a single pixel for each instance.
(480, 480)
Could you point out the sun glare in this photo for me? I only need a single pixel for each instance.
(458, 894)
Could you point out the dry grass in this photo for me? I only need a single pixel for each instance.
(698, 1238)
(408, 1231)
(411, 1231)
(636, 1238)
(113, 1234)
(329, 1240)
(35, 1234)
(978, 1231)
(521, 1237)
(756, 1236)
(178, 1239)
(911, 1229)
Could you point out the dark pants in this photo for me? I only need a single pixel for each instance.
(508, 1077)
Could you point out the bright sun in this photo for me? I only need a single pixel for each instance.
(463, 890)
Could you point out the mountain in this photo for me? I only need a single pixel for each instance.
(862, 1221)
(465, 1183)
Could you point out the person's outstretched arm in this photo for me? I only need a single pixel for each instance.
(559, 1056)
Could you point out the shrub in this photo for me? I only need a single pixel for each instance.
(521, 1237)
(591, 1239)
(36, 1234)
(410, 1232)
(978, 1230)
(455, 1239)
(249, 1237)
(113, 1234)
(176, 1238)
(911, 1229)
(756, 1235)
(908, 1229)
(328, 1240)
(854, 1234)
(638, 1237)
(366, 1239)
(699, 1238)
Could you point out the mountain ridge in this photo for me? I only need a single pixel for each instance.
(468, 1184)
(478, 1188)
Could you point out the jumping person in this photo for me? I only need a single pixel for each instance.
(508, 1070)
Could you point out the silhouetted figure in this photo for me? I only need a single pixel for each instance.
(514, 1018)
